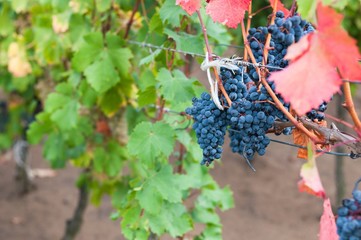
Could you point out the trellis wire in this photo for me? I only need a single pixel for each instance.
(303, 147)
(239, 62)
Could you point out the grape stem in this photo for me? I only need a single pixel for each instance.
(268, 39)
(249, 19)
(266, 85)
(204, 30)
(220, 85)
(350, 107)
(130, 22)
(260, 10)
(340, 121)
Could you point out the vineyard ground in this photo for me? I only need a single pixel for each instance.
(267, 202)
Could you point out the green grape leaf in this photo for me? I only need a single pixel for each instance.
(110, 102)
(67, 116)
(168, 184)
(103, 5)
(119, 195)
(19, 5)
(339, 4)
(204, 215)
(146, 79)
(150, 199)
(198, 177)
(148, 141)
(22, 84)
(109, 159)
(155, 24)
(78, 27)
(7, 25)
(52, 51)
(39, 128)
(55, 101)
(60, 5)
(55, 150)
(175, 88)
(74, 79)
(141, 234)
(88, 52)
(186, 42)
(101, 75)
(223, 198)
(64, 88)
(172, 218)
(164, 185)
(148, 96)
(307, 9)
(171, 13)
(184, 138)
(212, 232)
(119, 56)
(131, 215)
(88, 95)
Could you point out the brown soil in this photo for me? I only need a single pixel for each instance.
(268, 204)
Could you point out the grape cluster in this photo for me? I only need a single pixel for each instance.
(319, 113)
(349, 217)
(252, 113)
(284, 32)
(248, 117)
(210, 126)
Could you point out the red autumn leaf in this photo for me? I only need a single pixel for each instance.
(328, 230)
(338, 45)
(227, 12)
(310, 179)
(190, 6)
(312, 73)
(280, 7)
(313, 63)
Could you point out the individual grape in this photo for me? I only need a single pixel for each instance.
(279, 22)
(280, 14)
(252, 31)
(287, 24)
(289, 39)
(254, 45)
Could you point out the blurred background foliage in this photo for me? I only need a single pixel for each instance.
(70, 80)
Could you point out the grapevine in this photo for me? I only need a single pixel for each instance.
(107, 87)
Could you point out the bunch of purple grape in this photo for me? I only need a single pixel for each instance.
(349, 216)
